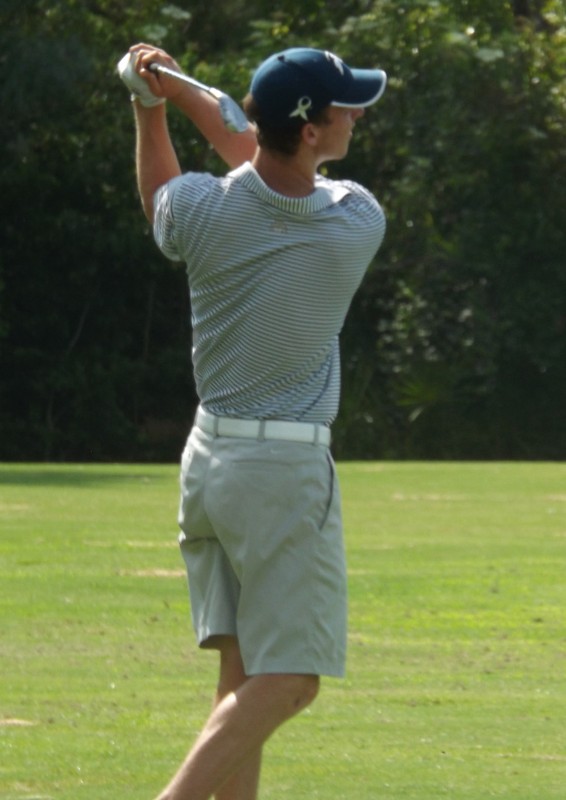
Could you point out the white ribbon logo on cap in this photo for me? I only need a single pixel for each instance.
(302, 107)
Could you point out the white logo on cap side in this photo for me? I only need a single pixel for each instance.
(337, 62)
(304, 104)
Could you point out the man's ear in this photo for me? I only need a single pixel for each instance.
(309, 134)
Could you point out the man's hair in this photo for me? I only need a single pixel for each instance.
(280, 139)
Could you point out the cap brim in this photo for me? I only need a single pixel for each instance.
(366, 88)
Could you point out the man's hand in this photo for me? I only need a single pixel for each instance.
(137, 86)
(148, 87)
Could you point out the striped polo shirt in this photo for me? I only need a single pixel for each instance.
(270, 279)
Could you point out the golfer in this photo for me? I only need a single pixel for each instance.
(274, 252)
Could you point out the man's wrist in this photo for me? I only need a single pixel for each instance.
(140, 107)
(147, 101)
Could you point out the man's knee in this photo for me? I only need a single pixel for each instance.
(308, 690)
(295, 692)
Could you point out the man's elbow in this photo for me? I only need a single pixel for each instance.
(147, 191)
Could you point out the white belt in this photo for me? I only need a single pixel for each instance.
(305, 432)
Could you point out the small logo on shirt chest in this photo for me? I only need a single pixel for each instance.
(279, 226)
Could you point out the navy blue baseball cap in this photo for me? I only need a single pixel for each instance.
(300, 82)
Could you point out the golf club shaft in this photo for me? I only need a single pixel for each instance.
(182, 77)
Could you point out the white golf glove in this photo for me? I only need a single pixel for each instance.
(135, 84)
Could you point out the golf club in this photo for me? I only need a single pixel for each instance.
(233, 116)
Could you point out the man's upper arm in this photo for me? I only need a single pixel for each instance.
(165, 230)
(178, 213)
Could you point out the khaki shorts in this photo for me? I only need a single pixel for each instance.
(262, 542)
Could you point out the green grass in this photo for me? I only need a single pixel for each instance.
(456, 685)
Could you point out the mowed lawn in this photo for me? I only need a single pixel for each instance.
(456, 684)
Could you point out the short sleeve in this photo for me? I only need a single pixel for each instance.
(180, 212)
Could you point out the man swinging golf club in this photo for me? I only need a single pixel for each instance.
(274, 253)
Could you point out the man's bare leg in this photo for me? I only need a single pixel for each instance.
(236, 730)
(244, 783)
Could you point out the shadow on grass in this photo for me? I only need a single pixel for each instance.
(82, 475)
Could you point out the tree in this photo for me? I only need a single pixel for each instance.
(467, 310)
(92, 318)
(455, 343)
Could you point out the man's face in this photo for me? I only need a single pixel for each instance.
(334, 135)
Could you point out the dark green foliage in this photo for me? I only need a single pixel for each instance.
(468, 308)
(455, 347)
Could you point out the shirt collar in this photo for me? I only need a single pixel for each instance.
(326, 192)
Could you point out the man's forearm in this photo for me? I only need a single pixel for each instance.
(156, 160)
(203, 111)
